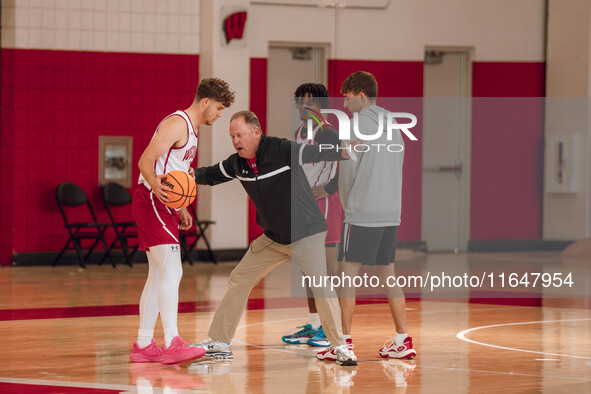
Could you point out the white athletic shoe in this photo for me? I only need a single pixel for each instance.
(215, 349)
(330, 354)
(345, 356)
(404, 351)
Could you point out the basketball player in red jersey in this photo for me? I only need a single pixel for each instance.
(173, 147)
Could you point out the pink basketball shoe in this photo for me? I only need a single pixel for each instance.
(179, 352)
(148, 354)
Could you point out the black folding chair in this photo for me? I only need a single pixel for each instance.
(190, 237)
(115, 197)
(71, 197)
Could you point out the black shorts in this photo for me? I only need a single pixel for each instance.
(368, 245)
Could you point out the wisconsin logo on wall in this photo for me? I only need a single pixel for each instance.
(234, 25)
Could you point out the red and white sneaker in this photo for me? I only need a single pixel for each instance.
(404, 351)
(148, 354)
(179, 352)
(330, 354)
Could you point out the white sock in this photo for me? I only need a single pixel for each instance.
(169, 334)
(345, 337)
(144, 337)
(314, 320)
(399, 339)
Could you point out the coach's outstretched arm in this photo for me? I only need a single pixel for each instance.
(216, 174)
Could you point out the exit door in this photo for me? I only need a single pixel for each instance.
(287, 68)
(446, 151)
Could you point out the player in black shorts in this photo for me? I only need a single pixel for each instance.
(371, 193)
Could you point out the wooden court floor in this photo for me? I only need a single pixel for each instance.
(68, 330)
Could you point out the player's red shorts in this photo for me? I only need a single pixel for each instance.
(334, 217)
(157, 224)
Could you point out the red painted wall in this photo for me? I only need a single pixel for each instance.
(402, 80)
(507, 151)
(55, 105)
(6, 172)
(505, 79)
(395, 79)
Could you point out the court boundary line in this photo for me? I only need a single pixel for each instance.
(418, 365)
(66, 383)
(462, 336)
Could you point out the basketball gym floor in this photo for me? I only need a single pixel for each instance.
(70, 330)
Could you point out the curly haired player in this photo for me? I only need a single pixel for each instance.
(173, 147)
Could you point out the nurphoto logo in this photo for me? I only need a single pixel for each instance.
(392, 123)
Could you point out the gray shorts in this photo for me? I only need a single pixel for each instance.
(368, 245)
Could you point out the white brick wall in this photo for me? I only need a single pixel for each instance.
(152, 26)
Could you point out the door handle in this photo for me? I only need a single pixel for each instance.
(443, 168)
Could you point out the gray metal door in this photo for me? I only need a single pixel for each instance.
(446, 154)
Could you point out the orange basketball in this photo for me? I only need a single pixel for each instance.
(182, 189)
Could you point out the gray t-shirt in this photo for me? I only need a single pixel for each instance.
(371, 187)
